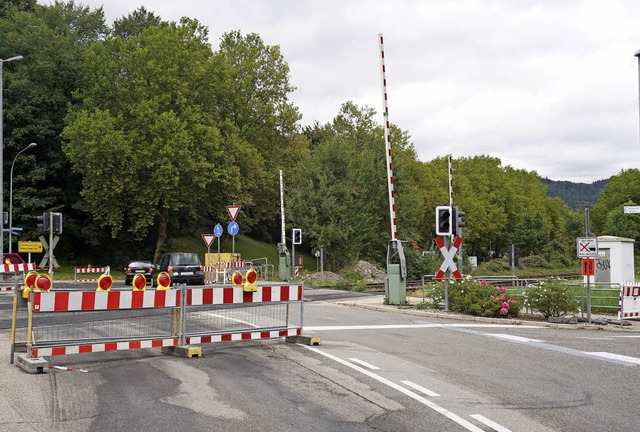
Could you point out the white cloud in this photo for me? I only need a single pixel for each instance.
(545, 85)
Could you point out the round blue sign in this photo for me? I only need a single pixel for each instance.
(217, 230)
(233, 228)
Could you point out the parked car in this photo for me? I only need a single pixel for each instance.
(183, 267)
(145, 268)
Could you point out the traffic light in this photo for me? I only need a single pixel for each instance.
(297, 236)
(43, 222)
(57, 223)
(443, 220)
(458, 223)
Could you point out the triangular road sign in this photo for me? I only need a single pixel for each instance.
(233, 211)
(208, 239)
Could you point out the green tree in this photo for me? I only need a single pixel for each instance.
(134, 23)
(142, 134)
(37, 91)
(253, 106)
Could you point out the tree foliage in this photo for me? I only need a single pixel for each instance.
(162, 132)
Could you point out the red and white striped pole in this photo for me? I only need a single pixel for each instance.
(387, 142)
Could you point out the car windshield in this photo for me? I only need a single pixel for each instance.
(185, 259)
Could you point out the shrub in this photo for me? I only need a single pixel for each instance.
(535, 261)
(551, 298)
(472, 297)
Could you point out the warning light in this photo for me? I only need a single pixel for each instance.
(43, 282)
(237, 278)
(164, 281)
(104, 282)
(30, 279)
(139, 283)
(251, 278)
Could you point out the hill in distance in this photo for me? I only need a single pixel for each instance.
(576, 195)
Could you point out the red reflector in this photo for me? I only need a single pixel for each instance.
(237, 279)
(252, 276)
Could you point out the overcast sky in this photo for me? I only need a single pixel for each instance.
(549, 86)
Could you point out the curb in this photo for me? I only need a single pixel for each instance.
(458, 317)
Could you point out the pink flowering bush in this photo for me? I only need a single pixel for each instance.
(480, 298)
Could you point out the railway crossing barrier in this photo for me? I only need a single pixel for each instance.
(78, 322)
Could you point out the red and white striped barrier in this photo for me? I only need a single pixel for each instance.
(629, 303)
(68, 301)
(91, 301)
(221, 296)
(101, 347)
(15, 268)
(89, 270)
(196, 340)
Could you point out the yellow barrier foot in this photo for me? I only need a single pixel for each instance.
(32, 365)
(304, 340)
(183, 351)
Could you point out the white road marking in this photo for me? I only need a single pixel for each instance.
(493, 425)
(622, 358)
(420, 388)
(451, 416)
(364, 363)
(512, 337)
(415, 326)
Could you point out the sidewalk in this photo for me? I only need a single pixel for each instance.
(377, 303)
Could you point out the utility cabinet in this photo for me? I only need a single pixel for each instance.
(615, 261)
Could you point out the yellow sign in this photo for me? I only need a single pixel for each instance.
(29, 247)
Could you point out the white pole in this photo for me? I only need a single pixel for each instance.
(387, 142)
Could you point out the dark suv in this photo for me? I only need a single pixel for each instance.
(183, 267)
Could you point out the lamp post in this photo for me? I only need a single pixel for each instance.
(11, 192)
(2, 62)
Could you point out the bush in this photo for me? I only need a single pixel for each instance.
(493, 266)
(478, 298)
(551, 298)
(535, 261)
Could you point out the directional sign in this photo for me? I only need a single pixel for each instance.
(632, 209)
(233, 211)
(233, 228)
(587, 247)
(448, 255)
(208, 239)
(29, 247)
(588, 267)
(217, 230)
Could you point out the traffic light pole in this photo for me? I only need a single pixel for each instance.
(50, 215)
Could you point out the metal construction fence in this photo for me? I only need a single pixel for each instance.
(76, 322)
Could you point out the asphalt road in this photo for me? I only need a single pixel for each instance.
(374, 371)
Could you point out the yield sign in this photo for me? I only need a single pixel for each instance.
(448, 255)
(233, 211)
(208, 239)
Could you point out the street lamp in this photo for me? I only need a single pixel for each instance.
(2, 62)
(11, 192)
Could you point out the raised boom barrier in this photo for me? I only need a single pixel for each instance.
(78, 322)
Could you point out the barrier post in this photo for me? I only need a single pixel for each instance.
(14, 319)
(183, 315)
(29, 322)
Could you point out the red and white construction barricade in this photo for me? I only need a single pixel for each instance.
(221, 273)
(629, 304)
(11, 276)
(77, 322)
(89, 270)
